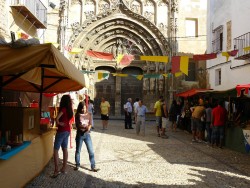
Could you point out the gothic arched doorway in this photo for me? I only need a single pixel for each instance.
(105, 88)
(131, 87)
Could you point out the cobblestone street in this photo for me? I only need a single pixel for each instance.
(128, 160)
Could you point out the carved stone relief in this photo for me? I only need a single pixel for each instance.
(103, 6)
(136, 7)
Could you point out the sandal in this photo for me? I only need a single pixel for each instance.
(55, 174)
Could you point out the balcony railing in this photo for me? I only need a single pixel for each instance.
(32, 10)
(240, 43)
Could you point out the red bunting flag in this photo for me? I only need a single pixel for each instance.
(125, 59)
(228, 54)
(175, 64)
(204, 57)
(100, 55)
(233, 52)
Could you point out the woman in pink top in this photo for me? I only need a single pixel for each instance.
(63, 130)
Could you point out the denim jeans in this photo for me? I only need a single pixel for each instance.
(88, 142)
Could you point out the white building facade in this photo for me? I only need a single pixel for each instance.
(227, 30)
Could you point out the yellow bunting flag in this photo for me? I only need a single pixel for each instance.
(76, 50)
(120, 75)
(139, 77)
(246, 48)
(230, 53)
(119, 58)
(100, 75)
(226, 55)
(184, 64)
(21, 35)
(155, 58)
(103, 75)
(165, 75)
(178, 74)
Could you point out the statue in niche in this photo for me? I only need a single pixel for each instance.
(152, 67)
(152, 85)
(145, 68)
(119, 47)
(135, 7)
(114, 50)
(161, 67)
(103, 7)
(160, 84)
(145, 85)
(124, 50)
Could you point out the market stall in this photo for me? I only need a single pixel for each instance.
(237, 103)
(41, 69)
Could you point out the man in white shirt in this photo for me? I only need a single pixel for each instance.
(136, 104)
(128, 114)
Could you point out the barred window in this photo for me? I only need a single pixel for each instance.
(217, 42)
(218, 77)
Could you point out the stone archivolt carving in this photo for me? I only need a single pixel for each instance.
(103, 6)
(136, 7)
(75, 25)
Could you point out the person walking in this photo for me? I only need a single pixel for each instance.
(91, 111)
(173, 115)
(83, 124)
(63, 118)
(128, 114)
(105, 109)
(158, 115)
(187, 117)
(140, 113)
(197, 126)
(208, 119)
(135, 105)
(164, 114)
(219, 117)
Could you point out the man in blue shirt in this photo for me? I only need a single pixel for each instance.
(140, 112)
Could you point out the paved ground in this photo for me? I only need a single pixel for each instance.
(127, 160)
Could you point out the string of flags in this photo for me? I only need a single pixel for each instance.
(105, 75)
(180, 64)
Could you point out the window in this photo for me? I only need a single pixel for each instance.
(191, 27)
(218, 39)
(218, 77)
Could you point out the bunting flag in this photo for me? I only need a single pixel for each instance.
(177, 74)
(21, 35)
(175, 64)
(100, 55)
(138, 77)
(184, 64)
(155, 58)
(246, 49)
(231, 53)
(165, 75)
(204, 57)
(120, 75)
(68, 48)
(103, 76)
(151, 75)
(75, 50)
(124, 59)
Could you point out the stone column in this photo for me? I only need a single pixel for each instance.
(118, 95)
